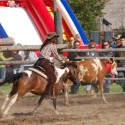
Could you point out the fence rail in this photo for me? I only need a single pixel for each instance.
(27, 47)
(95, 50)
(62, 47)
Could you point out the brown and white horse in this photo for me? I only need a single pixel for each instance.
(35, 82)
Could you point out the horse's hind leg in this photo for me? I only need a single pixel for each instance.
(12, 101)
(13, 92)
(5, 103)
(39, 103)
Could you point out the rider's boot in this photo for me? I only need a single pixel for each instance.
(49, 91)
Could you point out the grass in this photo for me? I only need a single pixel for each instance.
(6, 88)
(114, 88)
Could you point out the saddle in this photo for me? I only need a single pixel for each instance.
(39, 70)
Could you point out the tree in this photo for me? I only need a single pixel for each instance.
(88, 12)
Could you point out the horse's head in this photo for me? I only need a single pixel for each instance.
(72, 67)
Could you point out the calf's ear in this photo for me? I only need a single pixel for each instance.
(111, 60)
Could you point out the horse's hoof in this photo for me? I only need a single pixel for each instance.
(106, 102)
(1, 93)
(32, 114)
(56, 112)
(2, 115)
(67, 104)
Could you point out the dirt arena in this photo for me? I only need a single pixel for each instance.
(84, 110)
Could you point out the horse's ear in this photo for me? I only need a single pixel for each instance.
(67, 60)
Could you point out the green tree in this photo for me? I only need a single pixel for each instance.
(88, 12)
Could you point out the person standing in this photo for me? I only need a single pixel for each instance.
(107, 83)
(121, 63)
(48, 48)
(16, 67)
(3, 67)
(12, 3)
(72, 57)
(89, 88)
(22, 54)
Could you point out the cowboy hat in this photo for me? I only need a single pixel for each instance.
(51, 35)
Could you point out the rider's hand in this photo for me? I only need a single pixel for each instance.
(62, 61)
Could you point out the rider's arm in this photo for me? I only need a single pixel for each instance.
(54, 51)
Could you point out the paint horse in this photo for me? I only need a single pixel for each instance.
(32, 80)
(92, 72)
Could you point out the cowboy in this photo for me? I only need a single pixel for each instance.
(48, 48)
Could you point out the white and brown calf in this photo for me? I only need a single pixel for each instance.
(93, 72)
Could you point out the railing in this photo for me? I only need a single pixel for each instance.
(62, 48)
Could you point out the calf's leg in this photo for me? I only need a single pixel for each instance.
(102, 91)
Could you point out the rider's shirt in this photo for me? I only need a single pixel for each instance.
(48, 50)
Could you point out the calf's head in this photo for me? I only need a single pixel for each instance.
(111, 66)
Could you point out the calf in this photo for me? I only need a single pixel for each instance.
(93, 72)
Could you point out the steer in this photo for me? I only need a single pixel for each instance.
(93, 72)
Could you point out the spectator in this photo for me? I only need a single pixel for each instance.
(3, 67)
(30, 56)
(72, 56)
(22, 54)
(71, 42)
(112, 43)
(77, 38)
(107, 83)
(16, 67)
(11, 3)
(92, 45)
(118, 43)
(89, 88)
(121, 63)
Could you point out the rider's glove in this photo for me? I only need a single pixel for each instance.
(62, 61)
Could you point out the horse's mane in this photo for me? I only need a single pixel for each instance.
(68, 64)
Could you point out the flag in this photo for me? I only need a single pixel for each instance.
(105, 22)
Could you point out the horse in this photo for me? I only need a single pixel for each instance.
(34, 81)
(92, 72)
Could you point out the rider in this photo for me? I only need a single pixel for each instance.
(48, 48)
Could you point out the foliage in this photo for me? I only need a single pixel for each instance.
(88, 12)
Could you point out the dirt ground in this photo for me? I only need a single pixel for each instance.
(84, 110)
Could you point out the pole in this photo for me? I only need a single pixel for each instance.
(58, 23)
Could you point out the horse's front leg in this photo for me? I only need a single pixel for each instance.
(66, 94)
(39, 103)
(54, 105)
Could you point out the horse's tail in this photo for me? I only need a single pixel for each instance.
(10, 78)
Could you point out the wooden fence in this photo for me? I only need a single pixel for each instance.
(62, 47)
